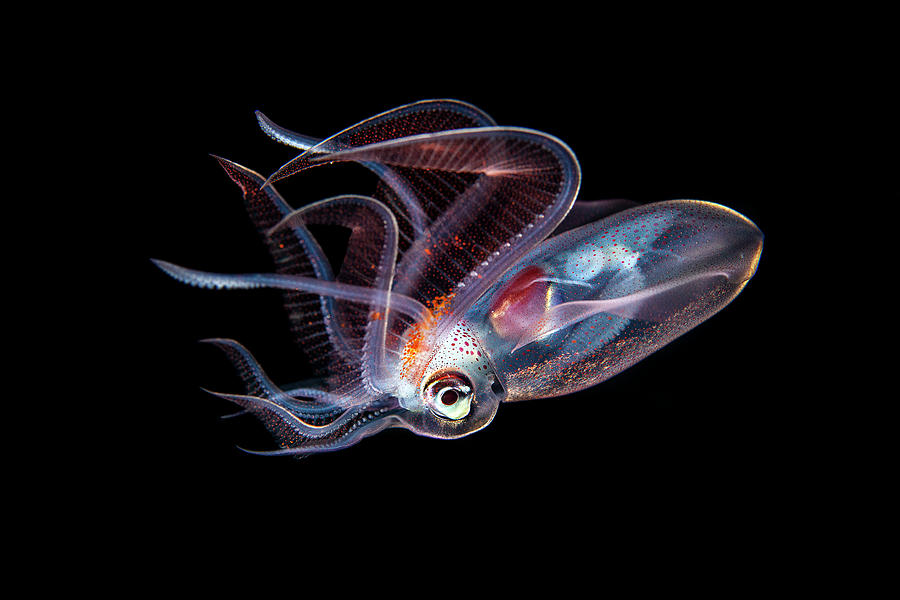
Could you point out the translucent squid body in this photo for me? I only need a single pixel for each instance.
(471, 277)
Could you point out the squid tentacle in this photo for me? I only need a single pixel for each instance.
(324, 404)
(239, 413)
(373, 364)
(292, 412)
(387, 125)
(365, 425)
(300, 437)
(285, 136)
(255, 377)
(204, 279)
(390, 177)
(255, 200)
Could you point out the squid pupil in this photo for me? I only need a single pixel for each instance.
(449, 397)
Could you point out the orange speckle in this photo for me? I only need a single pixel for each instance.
(416, 338)
(440, 305)
(414, 343)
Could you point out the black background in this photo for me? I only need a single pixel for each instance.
(698, 432)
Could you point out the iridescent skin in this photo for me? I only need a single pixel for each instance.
(471, 278)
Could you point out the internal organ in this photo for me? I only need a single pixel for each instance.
(519, 307)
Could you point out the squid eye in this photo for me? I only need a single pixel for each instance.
(449, 396)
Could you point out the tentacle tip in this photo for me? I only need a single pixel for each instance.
(210, 392)
(265, 452)
(235, 414)
(166, 267)
(266, 124)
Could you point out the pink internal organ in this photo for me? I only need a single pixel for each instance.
(521, 304)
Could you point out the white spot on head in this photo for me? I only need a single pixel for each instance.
(408, 395)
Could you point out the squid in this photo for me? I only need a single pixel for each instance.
(472, 277)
